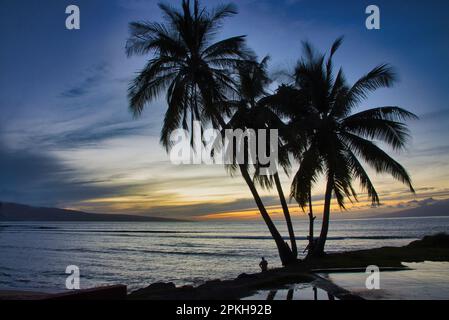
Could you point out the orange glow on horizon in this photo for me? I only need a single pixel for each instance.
(178, 207)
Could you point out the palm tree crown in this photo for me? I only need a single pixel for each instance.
(194, 70)
(328, 139)
(337, 139)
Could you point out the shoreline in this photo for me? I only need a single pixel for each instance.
(430, 248)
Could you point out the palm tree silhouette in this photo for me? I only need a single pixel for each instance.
(328, 140)
(186, 63)
(252, 113)
(196, 74)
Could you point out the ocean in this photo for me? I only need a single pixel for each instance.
(35, 255)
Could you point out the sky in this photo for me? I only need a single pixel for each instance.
(68, 140)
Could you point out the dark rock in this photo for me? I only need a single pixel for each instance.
(154, 290)
(161, 286)
(116, 292)
(210, 283)
(440, 240)
(188, 287)
(245, 276)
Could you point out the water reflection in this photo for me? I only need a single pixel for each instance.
(295, 292)
(423, 281)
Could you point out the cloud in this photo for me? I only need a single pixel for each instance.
(436, 151)
(147, 205)
(94, 76)
(423, 202)
(438, 114)
(86, 135)
(40, 179)
(28, 176)
(414, 203)
(213, 208)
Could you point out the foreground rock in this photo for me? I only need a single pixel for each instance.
(430, 248)
(241, 287)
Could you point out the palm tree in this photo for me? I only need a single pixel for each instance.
(186, 63)
(329, 140)
(252, 113)
(196, 74)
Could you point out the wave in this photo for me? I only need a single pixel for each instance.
(30, 227)
(27, 227)
(239, 237)
(135, 231)
(149, 251)
(192, 253)
(203, 234)
(371, 237)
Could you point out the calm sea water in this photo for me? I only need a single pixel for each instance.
(34, 256)
(424, 281)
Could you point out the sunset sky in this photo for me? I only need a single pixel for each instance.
(67, 138)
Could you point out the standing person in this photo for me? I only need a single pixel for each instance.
(263, 265)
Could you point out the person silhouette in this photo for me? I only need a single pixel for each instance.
(263, 265)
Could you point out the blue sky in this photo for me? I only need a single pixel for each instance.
(67, 138)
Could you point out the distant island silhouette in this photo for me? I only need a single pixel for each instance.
(438, 208)
(20, 212)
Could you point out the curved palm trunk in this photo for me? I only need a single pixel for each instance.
(287, 216)
(319, 249)
(311, 228)
(285, 253)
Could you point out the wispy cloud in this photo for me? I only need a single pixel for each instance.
(37, 178)
(94, 76)
(438, 114)
(84, 135)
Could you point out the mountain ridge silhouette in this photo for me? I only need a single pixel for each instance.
(20, 212)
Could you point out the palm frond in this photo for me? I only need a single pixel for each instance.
(385, 113)
(150, 82)
(377, 158)
(177, 95)
(228, 48)
(221, 12)
(307, 175)
(363, 177)
(340, 173)
(148, 36)
(395, 134)
(335, 46)
(382, 76)
(381, 124)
